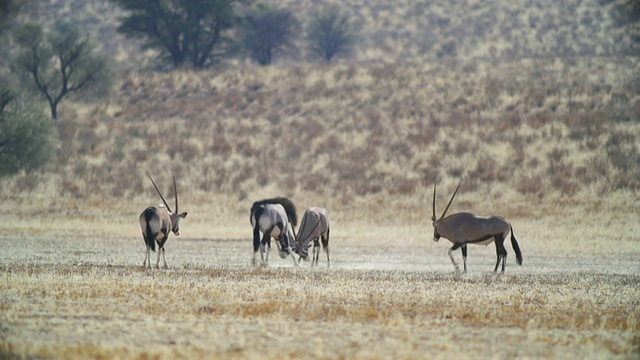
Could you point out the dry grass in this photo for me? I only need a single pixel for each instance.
(90, 298)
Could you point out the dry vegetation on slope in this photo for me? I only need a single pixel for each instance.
(514, 132)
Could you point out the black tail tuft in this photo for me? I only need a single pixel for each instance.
(255, 215)
(150, 237)
(516, 247)
(288, 205)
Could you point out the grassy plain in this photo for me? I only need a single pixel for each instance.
(527, 107)
(66, 297)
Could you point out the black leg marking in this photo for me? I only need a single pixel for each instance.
(464, 257)
(501, 253)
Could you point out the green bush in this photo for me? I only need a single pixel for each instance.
(27, 138)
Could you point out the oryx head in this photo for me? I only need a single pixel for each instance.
(175, 217)
(436, 234)
(286, 241)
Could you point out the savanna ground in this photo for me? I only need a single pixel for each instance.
(528, 107)
(390, 293)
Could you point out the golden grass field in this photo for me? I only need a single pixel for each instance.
(78, 290)
(550, 142)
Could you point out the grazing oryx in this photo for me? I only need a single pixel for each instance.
(288, 205)
(272, 221)
(314, 225)
(156, 222)
(465, 228)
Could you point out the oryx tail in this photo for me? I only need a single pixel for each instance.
(256, 213)
(149, 239)
(516, 247)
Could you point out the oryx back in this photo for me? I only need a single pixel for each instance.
(472, 229)
(287, 204)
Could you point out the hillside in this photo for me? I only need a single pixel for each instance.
(526, 116)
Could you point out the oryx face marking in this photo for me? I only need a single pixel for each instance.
(466, 228)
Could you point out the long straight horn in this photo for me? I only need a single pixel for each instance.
(175, 192)
(434, 203)
(159, 193)
(450, 201)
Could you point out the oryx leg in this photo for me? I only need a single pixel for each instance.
(325, 245)
(463, 248)
(316, 252)
(256, 244)
(158, 262)
(265, 246)
(147, 258)
(501, 254)
(164, 260)
(453, 261)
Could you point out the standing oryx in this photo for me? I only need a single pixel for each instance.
(314, 225)
(156, 222)
(272, 221)
(465, 228)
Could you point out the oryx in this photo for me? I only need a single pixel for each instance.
(314, 225)
(272, 221)
(288, 205)
(465, 228)
(156, 222)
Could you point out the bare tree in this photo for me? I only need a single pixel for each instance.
(60, 63)
(331, 33)
(267, 32)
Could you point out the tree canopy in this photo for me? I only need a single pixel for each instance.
(183, 31)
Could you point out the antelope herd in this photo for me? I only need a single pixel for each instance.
(277, 218)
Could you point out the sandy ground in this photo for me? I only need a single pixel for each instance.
(69, 297)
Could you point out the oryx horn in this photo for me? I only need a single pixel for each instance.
(434, 203)
(175, 192)
(450, 201)
(162, 197)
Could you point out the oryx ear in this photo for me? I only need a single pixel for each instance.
(183, 215)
